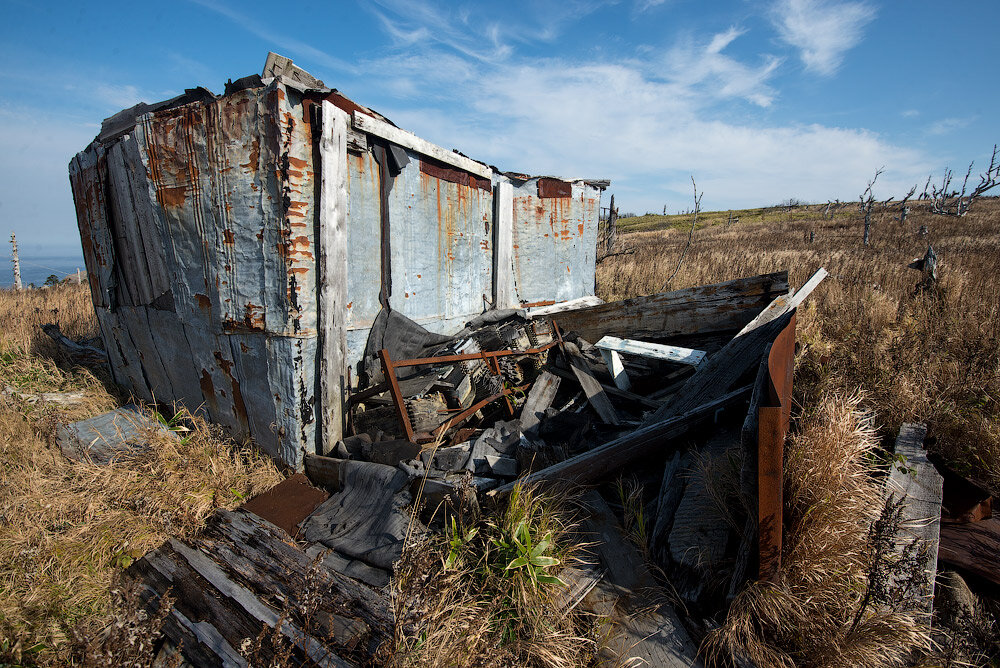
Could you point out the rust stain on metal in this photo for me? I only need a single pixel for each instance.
(203, 301)
(227, 238)
(552, 188)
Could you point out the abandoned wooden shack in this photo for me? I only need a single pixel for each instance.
(398, 320)
(240, 248)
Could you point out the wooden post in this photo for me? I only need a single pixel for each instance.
(333, 274)
(503, 248)
(17, 262)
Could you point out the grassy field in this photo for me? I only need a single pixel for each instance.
(873, 351)
(66, 529)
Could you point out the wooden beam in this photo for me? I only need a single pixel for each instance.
(332, 274)
(605, 459)
(741, 354)
(657, 351)
(503, 247)
(722, 307)
(540, 397)
(411, 141)
(617, 369)
(593, 389)
(611, 389)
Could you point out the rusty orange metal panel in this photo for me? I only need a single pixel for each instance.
(555, 243)
(773, 423)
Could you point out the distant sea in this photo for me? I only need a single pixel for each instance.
(36, 268)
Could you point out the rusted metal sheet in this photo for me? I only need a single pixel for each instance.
(441, 245)
(774, 413)
(555, 243)
(549, 187)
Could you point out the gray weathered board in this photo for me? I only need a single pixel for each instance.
(102, 438)
(644, 628)
(720, 307)
(918, 483)
(242, 577)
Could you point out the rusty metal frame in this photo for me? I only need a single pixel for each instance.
(774, 415)
(391, 383)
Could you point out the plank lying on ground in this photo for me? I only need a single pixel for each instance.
(611, 389)
(642, 625)
(591, 387)
(113, 434)
(701, 310)
(657, 351)
(78, 353)
(541, 396)
(974, 547)
(242, 577)
(726, 367)
(611, 456)
(921, 486)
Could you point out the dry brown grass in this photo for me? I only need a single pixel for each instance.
(918, 356)
(817, 612)
(67, 528)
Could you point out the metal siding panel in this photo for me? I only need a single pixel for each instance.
(363, 239)
(442, 253)
(88, 187)
(250, 356)
(555, 243)
(168, 336)
(133, 318)
(131, 256)
(145, 216)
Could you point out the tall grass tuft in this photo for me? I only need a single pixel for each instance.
(474, 598)
(822, 609)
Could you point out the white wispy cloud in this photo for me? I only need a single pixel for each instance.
(646, 131)
(948, 125)
(291, 46)
(692, 64)
(822, 31)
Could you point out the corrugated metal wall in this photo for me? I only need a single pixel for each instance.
(199, 233)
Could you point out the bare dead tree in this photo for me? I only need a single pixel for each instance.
(694, 221)
(867, 202)
(948, 202)
(607, 241)
(903, 209)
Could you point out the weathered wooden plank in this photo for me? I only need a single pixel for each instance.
(658, 351)
(740, 355)
(243, 597)
(974, 547)
(591, 387)
(562, 307)
(541, 396)
(617, 369)
(503, 260)
(101, 438)
(666, 505)
(921, 486)
(409, 140)
(611, 456)
(641, 626)
(612, 390)
(332, 319)
(720, 307)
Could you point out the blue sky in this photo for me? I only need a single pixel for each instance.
(760, 101)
